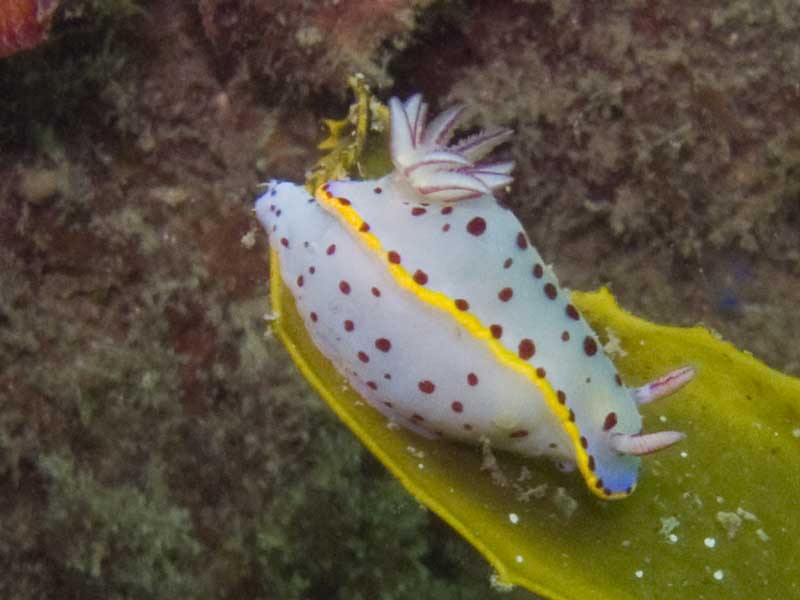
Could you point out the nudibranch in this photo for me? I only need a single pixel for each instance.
(428, 297)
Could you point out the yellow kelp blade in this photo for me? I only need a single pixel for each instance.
(714, 517)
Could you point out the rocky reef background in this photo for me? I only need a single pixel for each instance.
(154, 442)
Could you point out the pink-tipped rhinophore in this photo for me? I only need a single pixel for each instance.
(646, 443)
(664, 386)
(641, 444)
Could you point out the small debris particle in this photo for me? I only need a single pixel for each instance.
(499, 585)
(662, 418)
(746, 515)
(38, 185)
(415, 453)
(520, 559)
(566, 504)
(639, 574)
(710, 542)
(421, 466)
(672, 538)
(309, 36)
(719, 574)
(730, 521)
(668, 525)
(762, 535)
(796, 432)
(171, 196)
(489, 463)
(613, 346)
(684, 454)
(524, 474)
(513, 517)
(249, 239)
(538, 492)
(693, 498)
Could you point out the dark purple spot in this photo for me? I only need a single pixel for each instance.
(610, 421)
(526, 349)
(426, 386)
(476, 226)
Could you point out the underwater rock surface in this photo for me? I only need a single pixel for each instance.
(154, 444)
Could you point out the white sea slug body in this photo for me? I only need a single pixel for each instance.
(429, 298)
